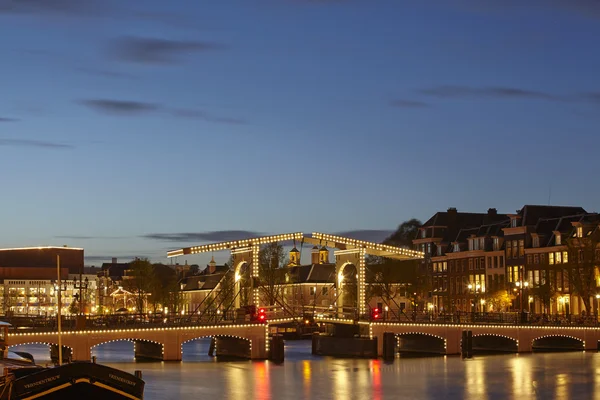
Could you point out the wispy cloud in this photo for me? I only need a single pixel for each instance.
(35, 143)
(120, 107)
(129, 107)
(498, 92)
(104, 258)
(593, 97)
(157, 51)
(6, 119)
(408, 103)
(83, 237)
(213, 236)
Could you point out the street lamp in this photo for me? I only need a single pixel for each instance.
(597, 305)
(521, 285)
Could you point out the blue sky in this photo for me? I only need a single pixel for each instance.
(123, 122)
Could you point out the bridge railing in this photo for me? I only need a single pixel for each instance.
(153, 320)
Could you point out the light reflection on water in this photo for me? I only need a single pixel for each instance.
(302, 376)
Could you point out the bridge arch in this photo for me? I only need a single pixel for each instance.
(142, 348)
(242, 278)
(495, 343)
(347, 285)
(231, 345)
(420, 342)
(557, 342)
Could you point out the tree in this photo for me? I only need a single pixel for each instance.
(140, 281)
(404, 235)
(165, 288)
(545, 294)
(271, 258)
(500, 300)
(582, 270)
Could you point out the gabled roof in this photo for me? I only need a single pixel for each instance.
(530, 214)
(312, 273)
(202, 282)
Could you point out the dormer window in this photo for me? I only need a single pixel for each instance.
(456, 247)
(439, 250)
(536, 241)
(580, 231)
(471, 245)
(423, 233)
(557, 240)
(513, 222)
(482, 243)
(496, 244)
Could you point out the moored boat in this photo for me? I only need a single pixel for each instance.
(24, 380)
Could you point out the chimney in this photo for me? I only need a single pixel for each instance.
(492, 212)
(114, 260)
(314, 255)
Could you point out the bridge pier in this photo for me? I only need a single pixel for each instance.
(148, 350)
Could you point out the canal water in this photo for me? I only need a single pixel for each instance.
(573, 375)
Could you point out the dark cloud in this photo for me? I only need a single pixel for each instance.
(498, 92)
(6, 119)
(369, 235)
(121, 259)
(120, 107)
(408, 104)
(57, 7)
(593, 97)
(203, 115)
(156, 51)
(34, 143)
(214, 236)
(127, 107)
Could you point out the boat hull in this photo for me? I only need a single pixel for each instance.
(77, 381)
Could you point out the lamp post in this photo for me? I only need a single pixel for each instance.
(597, 305)
(522, 285)
(80, 298)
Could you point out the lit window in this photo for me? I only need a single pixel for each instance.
(558, 257)
(580, 231)
(565, 257)
(550, 258)
(557, 239)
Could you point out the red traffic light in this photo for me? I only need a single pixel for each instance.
(262, 317)
(376, 310)
(261, 311)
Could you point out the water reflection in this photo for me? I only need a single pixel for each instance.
(302, 376)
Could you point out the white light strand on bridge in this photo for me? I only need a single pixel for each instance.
(235, 243)
(368, 245)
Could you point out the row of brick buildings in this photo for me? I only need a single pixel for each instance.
(531, 260)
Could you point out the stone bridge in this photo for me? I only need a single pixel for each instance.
(446, 338)
(159, 343)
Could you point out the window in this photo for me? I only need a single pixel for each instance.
(536, 241)
(513, 222)
(313, 290)
(456, 247)
(482, 243)
(558, 258)
(565, 256)
(557, 239)
(324, 291)
(472, 244)
(542, 258)
(439, 250)
(508, 249)
(515, 249)
(528, 258)
(470, 264)
(551, 258)
(496, 244)
(423, 233)
(580, 231)
(522, 248)
(477, 263)
(536, 258)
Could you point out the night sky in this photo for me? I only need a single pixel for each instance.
(133, 127)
